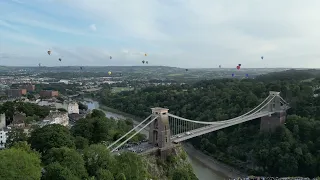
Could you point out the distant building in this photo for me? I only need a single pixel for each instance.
(14, 93)
(28, 87)
(73, 108)
(56, 117)
(18, 121)
(2, 121)
(49, 93)
(64, 81)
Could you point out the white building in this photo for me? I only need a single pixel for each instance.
(73, 108)
(2, 121)
(3, 138)
(56, 117)
(64, 81)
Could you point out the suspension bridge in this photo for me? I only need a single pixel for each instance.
(166, 129)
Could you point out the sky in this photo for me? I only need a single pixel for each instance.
(179, 33)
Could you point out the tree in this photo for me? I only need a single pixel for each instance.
(180, 174)
(105, 160)
(81, 142)
(131, 165)
(55, 171)
(19, 164)
(30, 96)
(51, 136)
(23, 145)
(97, 113)
(103, 174)
(95, 130)
(121, 176)
(68, 158)
(82, 106)
(15, 135)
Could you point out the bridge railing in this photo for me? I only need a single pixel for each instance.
(227, 123)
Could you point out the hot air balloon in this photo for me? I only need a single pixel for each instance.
(60, 59)
(143, 61)
(81, 68)
(109, 72)
(247, 75)
(238, 67)
(232, 74)
(219, 66)
(110, 57)
(146, 62)
(49, 52)
(145, 54)
(261, 57)
(187, 69)
(39, 64)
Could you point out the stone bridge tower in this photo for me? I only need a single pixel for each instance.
(271, 122)
(159, 133)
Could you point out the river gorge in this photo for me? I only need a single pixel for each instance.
(204, 166)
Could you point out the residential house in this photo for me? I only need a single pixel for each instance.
(57, 117)
(49, 94)
(73, 108)
(15, 93)
(18, 121)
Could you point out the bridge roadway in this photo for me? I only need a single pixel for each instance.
(204, 130)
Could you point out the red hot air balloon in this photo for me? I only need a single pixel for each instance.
(238, 67)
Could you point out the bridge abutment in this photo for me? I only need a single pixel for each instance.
(271, 122)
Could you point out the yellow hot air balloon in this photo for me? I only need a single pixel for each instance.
(145, 54)
(109, 72)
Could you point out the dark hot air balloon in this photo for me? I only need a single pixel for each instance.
(143, 61)
(49, 52)
(187, 69)
(60, 59)
(261, 57)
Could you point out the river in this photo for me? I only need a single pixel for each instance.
(203, 167)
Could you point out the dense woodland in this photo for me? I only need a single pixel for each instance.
(292, 150)
(79, 154)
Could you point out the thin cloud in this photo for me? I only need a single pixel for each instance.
(93, 27)
(189, 33)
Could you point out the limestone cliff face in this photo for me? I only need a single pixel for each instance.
(159, 169)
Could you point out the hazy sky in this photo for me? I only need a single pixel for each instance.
(182, 33)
